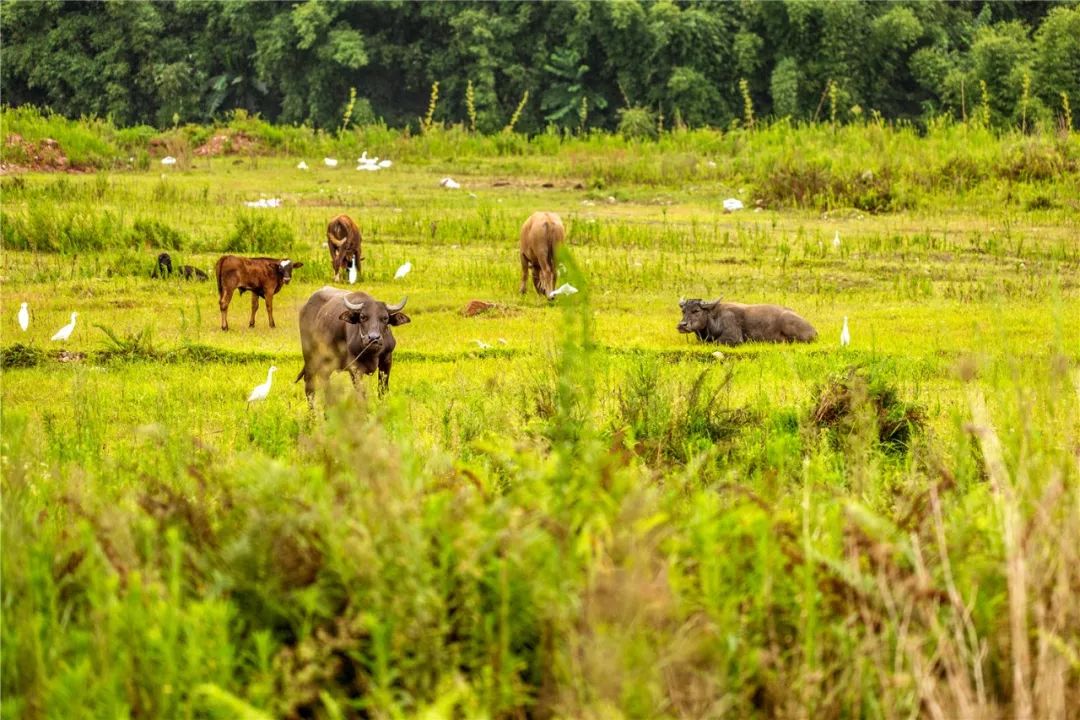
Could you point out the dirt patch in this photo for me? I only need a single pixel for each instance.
(227, 144)
(21, 154)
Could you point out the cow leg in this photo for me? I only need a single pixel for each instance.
(524, 272)
(547, 278)
(269, 308)
(254, 309)
(223, 304)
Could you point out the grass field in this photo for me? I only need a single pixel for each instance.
(594, 517)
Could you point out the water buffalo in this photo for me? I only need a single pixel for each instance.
(263, 276)
(164, 269)
(343, 330)
(539, 236)
(731, 323)
(343, 242)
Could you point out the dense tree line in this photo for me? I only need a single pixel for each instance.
(583, 64)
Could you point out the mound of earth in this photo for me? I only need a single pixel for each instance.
(45, 154)
(226, 144)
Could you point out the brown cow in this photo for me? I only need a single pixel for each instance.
(263, 276)
(343, 242)
(539, 236)
(732, 323)
(342, 330)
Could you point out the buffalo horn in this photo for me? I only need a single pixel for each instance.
(349, 305)
(399, 306)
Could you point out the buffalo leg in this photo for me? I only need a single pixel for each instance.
(254, 309)
(223, 304)
(269, 308)
(536, 279)
(524, 272)
(547, 278)
(385, 363)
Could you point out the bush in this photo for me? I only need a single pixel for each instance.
(847, 403)
(637, 123)
(152, 233)
(253, 233)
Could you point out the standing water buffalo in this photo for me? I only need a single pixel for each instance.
(342, 330)
(343, 241)
(731, 323)
(264, 277)
(539, 236)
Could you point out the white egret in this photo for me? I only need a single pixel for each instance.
(502, 341)
(301, 165)
(732, 204)
(482, 345)
(65, 332)
(403, 270)
(564, 289)
(718, 355)
(168, 160)
(845, 335)
(24, 317)
(449, 183)
(363, 158)
(836, 240)
(385, 164)
(352, 272)
(261, 391)
(330, 162)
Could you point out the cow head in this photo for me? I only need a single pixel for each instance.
(695, 315)
(284, 270)
(371, 318)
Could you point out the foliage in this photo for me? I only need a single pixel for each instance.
(168, 64)
(253, 232)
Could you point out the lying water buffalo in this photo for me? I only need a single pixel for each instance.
(343, 241)
(731, 323)
(263, 276)
(539, 236)
(342, 330)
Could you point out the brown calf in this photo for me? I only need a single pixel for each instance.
(343, 241)
(262, 276)
(539, 236)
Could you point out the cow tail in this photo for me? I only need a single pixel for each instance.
(302, 371)
(217, 272)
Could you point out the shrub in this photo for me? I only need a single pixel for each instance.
(637, 123)
(860, 395)
(152, 233)
(253, 232)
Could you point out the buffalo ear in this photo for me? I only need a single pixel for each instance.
(399, 318)
(710, 305)
(349, 316)
(298, 265)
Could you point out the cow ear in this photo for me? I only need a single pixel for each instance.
(298, 265)
(350, 316)
(709, 305)
(399, 318)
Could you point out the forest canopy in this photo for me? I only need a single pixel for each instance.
(583, 64)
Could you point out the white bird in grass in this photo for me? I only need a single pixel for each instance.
(24, 317)
(482, 345)
(836, 240)
(564, 289)
(301, 165)
(449, 183)
(403, 270)
(330, 162)
(385, 164)
(352, 272)
(845, 335)
(65, 332)
(168, 160)
(502, 341)
(732, 204)
(261, 391)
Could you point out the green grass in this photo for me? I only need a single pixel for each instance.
(594, 518)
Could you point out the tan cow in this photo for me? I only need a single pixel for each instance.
(539, 236)
(343, 242)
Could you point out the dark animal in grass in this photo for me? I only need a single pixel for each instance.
(164, 266)
(342, 330)
(732, 323)
(540, 234)
(343, 242)
(263, 277)
(164, 269)
(192, 273)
